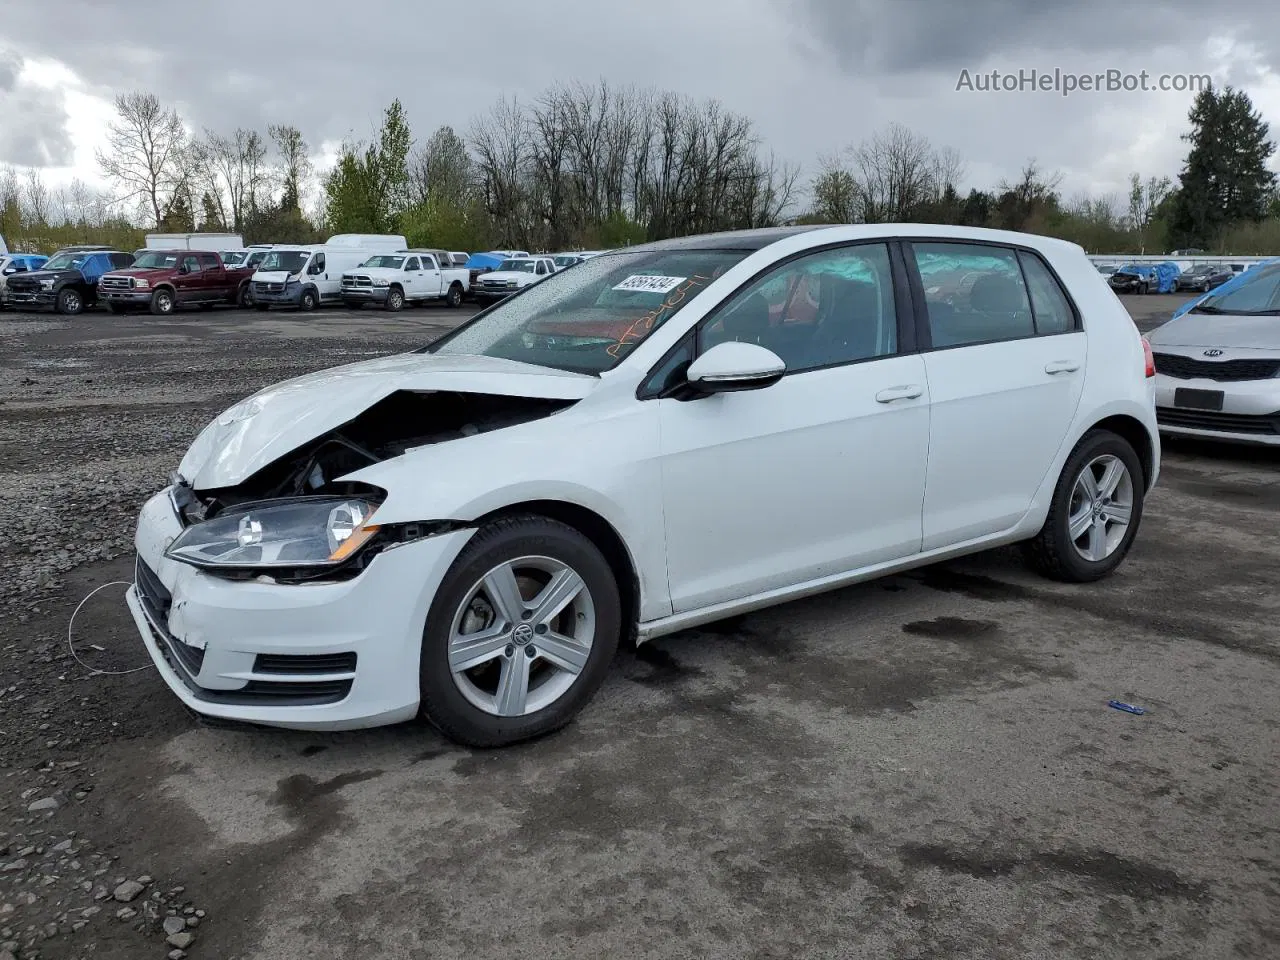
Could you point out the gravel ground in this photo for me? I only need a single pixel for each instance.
(923, 766)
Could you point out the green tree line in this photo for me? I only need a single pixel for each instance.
(589, 166)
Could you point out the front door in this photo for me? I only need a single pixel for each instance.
(188, 285)
(819, 474)
(1005, 372)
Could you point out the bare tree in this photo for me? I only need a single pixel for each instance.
(295, 168)
(501, 143)
(145, 156)
(37, 202)
(442, 171)
(894, 173)
(233, 171)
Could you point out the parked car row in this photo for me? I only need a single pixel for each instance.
(348, 269)
(1167, 277)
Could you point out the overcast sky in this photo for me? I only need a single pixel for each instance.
(814, 75)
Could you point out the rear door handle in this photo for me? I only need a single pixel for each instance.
(908, 392)
(1062, 366)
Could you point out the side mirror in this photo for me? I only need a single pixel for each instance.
(732, 366)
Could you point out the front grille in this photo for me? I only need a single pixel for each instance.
(261, 286)
(305, 664)
(1265, 425)
(116, 283)
(349, 283)
(156, 601)
(1224, 371)
(22, 285)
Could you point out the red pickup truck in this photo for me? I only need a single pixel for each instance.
(164, 280)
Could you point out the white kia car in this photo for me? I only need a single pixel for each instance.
(660, 437)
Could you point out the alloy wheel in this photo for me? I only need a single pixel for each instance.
(1101, 507)
(521, 636)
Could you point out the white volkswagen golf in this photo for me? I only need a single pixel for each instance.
(660, 437)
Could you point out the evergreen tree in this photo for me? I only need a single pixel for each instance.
(1224, 179)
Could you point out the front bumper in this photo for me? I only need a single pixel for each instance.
(318, 656)
(362, 295)
(135, 298)
(480, 293)
(1250, 410)
(291, 295)
(31, 298)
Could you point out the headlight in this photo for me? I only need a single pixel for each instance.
(381, 282)
(140, 284)
(312, 532)
(46, 284)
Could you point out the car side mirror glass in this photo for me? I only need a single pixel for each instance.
(733, 366)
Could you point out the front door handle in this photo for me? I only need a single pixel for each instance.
(1062, 366)
(907, 392)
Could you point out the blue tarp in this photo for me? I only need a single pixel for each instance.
(484, 261)
(1235, 283)
(1162, 276)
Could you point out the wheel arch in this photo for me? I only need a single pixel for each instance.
(1133, 431)
(600, 532)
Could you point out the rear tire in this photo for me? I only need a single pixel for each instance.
(454, 297)
(69, 302)
(1101, 541)
(531, 551)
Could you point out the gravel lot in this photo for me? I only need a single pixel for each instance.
(919, 767)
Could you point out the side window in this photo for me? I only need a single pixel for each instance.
(429, 263)
(974, 293)
(191, 263)
(541, 268)
(1049, 305)
(412, 264)
(827, 308)
(209, 261)
(317, 265)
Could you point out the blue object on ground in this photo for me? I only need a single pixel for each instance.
(1126, 707)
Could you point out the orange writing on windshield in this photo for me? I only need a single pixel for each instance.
(644, 324)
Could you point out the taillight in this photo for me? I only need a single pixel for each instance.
(1148, 357)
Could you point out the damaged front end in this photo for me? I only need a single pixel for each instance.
(278, 521)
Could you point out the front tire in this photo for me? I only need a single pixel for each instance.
(395, 299)
(162, 303)
(69, 302)
(1095, 513)
(307, 301)
(520, 634)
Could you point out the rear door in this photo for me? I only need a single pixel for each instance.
(1004, 356)
(213, 278)
(432, 276)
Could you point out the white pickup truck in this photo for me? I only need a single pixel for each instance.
(408, 276)
(512, 276)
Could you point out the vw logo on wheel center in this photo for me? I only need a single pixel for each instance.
(522, 634)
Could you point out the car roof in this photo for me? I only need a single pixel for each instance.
(753, 240)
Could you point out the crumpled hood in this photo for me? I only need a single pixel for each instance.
(254, 432)
(38, 275)
(1218, 330)
(272, 276)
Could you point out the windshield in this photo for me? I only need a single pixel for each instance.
(156, 261)
(565, 261)
(255, 258)
(66, 261)
(233, 258)
(395, 263)
(291, 261)
(517, 266)
(1260, 294)
(1106, 269)
(589, 318)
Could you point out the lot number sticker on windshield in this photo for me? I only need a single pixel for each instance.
(643, 283)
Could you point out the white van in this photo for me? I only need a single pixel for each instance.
(306, 276)
(213, 242)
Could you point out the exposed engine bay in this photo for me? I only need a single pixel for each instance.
(402, 421)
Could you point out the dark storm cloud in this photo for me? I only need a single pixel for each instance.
(33, 122)
(912, 36)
